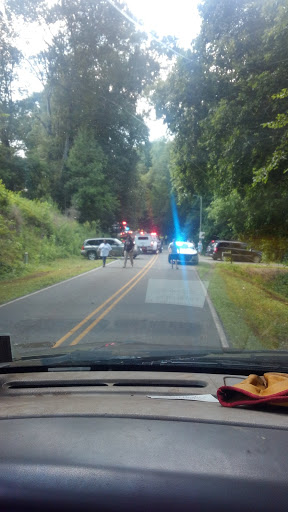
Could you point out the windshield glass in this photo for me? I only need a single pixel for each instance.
(143, 179)
(185, 245)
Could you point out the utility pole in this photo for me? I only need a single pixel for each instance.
(200, 221)
(200, 228)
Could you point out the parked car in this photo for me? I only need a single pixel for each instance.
(210, 248)
(90, 247)
(187, 253)
(236, 250)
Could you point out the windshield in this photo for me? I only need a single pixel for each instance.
(143, 180)
(185, 245)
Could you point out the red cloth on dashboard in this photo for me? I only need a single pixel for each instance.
(271, 389)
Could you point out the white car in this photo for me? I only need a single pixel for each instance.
(187, 253)
(148, 243)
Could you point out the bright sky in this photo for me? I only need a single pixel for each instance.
(178, 18)
(165, 17)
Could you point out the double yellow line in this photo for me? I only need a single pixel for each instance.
(127, 287)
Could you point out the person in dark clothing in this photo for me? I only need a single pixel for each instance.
(128, 250)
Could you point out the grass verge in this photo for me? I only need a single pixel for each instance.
(253, 314)
(40, 276)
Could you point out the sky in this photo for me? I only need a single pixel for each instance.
(165, 17)
(178, 18)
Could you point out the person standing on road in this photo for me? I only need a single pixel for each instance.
(155, 246)
(200, 247)
(173, 250)
(104, 249)
(128, 250)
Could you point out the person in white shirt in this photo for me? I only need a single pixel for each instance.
(200, 247)
(104, 248)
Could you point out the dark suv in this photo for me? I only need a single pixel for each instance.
(210, 247)
(237, 251)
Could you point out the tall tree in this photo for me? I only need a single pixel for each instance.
(97, 68)
(86, 181)
(217, 103)
(11, 166)
(156, 182)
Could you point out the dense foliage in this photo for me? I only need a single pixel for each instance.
(39, 229)
(80, 134)
(81, 143)
(154, 208)
(226, 105)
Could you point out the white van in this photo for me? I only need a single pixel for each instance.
(145, 242)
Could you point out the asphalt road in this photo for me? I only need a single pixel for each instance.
(150, 304)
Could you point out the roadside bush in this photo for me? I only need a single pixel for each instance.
(39, 229)
(4, 199)
(274, 249)
(280, 284)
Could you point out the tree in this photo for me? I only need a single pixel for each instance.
(11, 168)
(217, 103)
(94, 71)
(86, 181)
(157, 188)
(97, 68)
(278, 159)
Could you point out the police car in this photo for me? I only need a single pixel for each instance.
(187, 253)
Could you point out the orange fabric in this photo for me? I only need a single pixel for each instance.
(271, 388)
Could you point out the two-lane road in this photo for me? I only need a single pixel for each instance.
(148, 304)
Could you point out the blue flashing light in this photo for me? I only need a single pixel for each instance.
(175, 217)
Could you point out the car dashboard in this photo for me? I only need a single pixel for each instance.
(96, 440)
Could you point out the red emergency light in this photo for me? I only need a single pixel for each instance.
(124, 222)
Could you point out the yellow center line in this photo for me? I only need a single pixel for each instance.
(87, 318)
(99, 318)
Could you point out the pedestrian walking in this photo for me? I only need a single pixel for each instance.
(104, 248)
(200, 247)
(128, 250)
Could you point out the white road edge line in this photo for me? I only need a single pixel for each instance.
(222, 335)
(53, 285)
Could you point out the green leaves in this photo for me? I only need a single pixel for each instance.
(95, 68)
(156, 186)
(85, 180)
(278, 159)
(229, 126)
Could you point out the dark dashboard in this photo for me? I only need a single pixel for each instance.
(96, 441)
